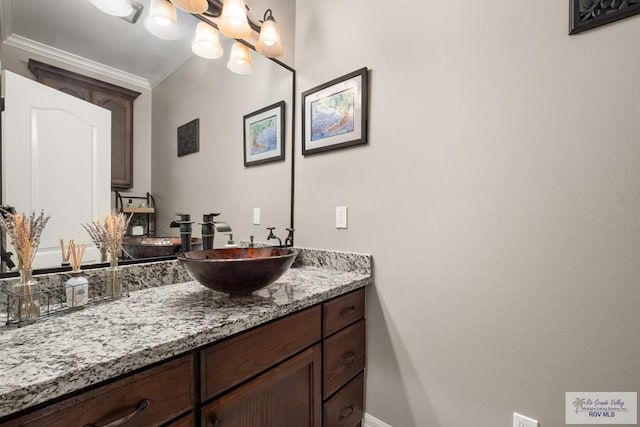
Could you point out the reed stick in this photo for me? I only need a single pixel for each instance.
(66, 251)
(77, 252)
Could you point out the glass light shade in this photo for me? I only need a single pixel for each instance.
(233, 20)
(240, 59)
(191, 6)
(114, 7)
(207, 43)
(162, 20)
(269, 43)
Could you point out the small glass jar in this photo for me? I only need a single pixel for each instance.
(114, 279)
(77, 290)
(25, 304)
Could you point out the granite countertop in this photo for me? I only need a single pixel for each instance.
(59, 355)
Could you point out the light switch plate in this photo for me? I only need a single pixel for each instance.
(341, 217)
(523, 421)
(256, 216)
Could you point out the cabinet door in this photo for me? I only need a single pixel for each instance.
(285, 396)
(121, 135)
(68, 86)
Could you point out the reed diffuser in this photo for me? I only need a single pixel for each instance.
(66, 253)
(25, 232)
(109, 235)
(77, 287)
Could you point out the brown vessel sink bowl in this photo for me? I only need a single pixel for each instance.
(237, 271)
(140, 247)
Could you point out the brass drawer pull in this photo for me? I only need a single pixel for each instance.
(347, 310)
(144, 403)
(348, 357)
(216, 422)
(345, 412)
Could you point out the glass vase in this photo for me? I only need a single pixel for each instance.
(77, 290)
(26, 298)
(114, 279)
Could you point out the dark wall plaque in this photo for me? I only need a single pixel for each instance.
(189, 138)
(587, 14)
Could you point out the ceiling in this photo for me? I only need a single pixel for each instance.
(77, 28)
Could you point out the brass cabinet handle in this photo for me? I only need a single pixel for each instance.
(345, 412)
(348, 357)
(144, 403)
(216, 422)
(347, 310)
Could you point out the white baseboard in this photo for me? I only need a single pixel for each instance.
(371, 421)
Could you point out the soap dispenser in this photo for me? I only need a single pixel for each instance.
(230, 242)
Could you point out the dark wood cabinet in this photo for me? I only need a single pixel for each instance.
(280, 374)
(114, 98)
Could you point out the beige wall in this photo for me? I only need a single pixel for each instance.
(215, 179)
(499, 195)
(16, 59)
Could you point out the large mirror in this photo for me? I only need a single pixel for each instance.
(175, 88)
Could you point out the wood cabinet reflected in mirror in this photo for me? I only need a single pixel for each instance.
(114, 98)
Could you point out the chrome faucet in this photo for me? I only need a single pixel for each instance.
(209, 227)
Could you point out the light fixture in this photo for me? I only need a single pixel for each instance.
(233, 20)
(162, 20)
(114, 7)
(269, 43)
(207, 43)
(240, 59)
(191, 6)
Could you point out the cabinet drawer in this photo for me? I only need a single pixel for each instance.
(344, 409)
(167, 391)
(344, 356)
(342, 311)
(230, 362)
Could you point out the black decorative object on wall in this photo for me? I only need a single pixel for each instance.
(189, 138)
(587, 14)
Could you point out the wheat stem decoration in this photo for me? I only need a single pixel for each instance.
(109, 236)
(25, 232)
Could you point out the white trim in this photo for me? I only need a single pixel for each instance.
(38, 48)
(371, 421)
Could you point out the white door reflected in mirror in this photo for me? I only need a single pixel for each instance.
(56, 152)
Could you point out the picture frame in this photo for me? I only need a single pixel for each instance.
(189, 138)
(587, 14)
(335, 114)
(263, 135)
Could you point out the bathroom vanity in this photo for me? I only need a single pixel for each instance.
(292, 354)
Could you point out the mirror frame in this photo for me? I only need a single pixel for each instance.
(215, 6)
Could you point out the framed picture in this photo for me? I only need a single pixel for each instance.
(587, 14)
(263, 137)
(189, 138)
(335, 114)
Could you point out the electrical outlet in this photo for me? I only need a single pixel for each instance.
(341, 217)
(256, 216)
(522, 421)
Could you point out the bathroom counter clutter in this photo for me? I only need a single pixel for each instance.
(59, 355)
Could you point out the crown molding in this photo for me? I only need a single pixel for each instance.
(67, 58)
